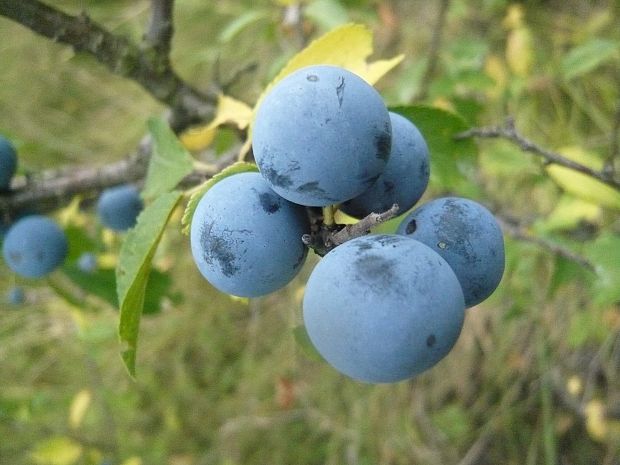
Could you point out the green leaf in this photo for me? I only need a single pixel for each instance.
(240, 23)
(303, 340)
(170, 161)
(604, 253)
(451, 160)
(79, 242)
(588, 56)
(566, 271)
(133, 269)
(453, 421)
(235, 168)
(503, 159)
(102, 284)
(586, 326)
(328, 14)
(466, 54)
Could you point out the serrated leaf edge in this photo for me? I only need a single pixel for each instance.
(197, 194)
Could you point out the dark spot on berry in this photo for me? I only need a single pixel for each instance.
(312, 77)
(389, 239)
(276, 178)
(388, 186)
(383, 144)
(270, 202)
(340, 90)
(216, 248)
(431, 340)
(310, 187)
(363, 245)
(411, 227)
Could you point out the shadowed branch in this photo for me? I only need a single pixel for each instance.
(149, 66)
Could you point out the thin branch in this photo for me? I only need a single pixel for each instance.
(160, 30)
(614, 144)
(363, 226)
(478, 449)
(48, 190)
(509, 132)
(119, 54)
(325, 237)
(435, 46)
(517, 231)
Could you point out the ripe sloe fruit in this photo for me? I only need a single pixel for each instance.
(34, 246)
(246, 239)
(16, 296)
(118, 207)
(383, 308)
(405, 177)
(8, 162)
(316, 125)
(87, 262)
(467, 236)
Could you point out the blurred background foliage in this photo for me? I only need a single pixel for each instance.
(534, 377)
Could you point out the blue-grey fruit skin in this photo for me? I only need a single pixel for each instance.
(246, 239)
(467, 236)
(8, 162)
(383, 308)
(405, 177)
(118, 207)
(34, 246)
(87, 262)
(16, 296)
(321, 136)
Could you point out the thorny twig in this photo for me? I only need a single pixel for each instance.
(517, 231)
(509, 132)
(435, 45)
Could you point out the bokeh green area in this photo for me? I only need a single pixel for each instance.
(534, 377)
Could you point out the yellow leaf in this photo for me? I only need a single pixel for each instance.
(444, 104)
(198, 138)
(56, 451)
(348, 47)
(494, 68)
(581, 185)
(568, 213)
(107, 261)
(133, 461)
(108, 237)
(71, 213)
(343, 218)
(596, 424)
(514, 17)
(79, 406)
(519, 54)
(574, 385)
(229, 111)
